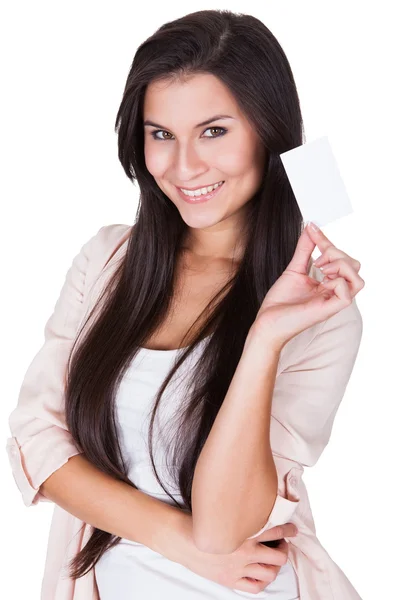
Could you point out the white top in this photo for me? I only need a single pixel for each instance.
(130, 570)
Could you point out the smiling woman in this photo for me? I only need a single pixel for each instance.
(156, 319)
(193, 158)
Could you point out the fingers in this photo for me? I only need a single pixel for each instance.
(329, 252)
(305, 246)
(271, 556)
(278, 532)
(342, 268)
(265, 568)
(341, 296)
(265, 573)
(332, 254)
(319, 239)
(267, 562)
(249, 585)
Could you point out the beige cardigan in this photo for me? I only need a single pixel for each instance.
(313, 372)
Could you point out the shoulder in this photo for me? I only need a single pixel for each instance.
(103, 248)
(109, 238)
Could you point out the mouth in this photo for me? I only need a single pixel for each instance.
(199, 187)
(200, 194)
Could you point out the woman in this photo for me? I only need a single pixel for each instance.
(180, 492)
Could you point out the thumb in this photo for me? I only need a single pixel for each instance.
(302, 254)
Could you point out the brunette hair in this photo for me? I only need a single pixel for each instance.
(242, 52)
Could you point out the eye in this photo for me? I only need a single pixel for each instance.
(221, 129)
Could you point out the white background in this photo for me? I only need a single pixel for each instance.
(64, 66)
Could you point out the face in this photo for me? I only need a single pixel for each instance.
(180, 153)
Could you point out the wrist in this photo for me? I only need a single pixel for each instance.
(262, 342)
(175, 539)
(185, 547)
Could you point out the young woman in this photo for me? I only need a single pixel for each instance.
(195, 361)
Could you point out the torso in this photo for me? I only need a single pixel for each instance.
(193, 291)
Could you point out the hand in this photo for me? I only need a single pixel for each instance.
(250, 568)
(296, 301)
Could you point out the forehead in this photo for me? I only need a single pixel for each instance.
(190, 99)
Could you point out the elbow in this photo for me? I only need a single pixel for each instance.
(217, 536)
(229, 540)
(42, 492)
(212, 546)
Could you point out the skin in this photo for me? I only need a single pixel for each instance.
(188, 156)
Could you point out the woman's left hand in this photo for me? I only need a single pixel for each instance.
(296, 301)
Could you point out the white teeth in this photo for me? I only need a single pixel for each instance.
(201, 191)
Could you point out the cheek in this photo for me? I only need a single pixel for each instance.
(235, 162)
(156, 161)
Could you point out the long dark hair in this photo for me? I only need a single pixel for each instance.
(246, 57)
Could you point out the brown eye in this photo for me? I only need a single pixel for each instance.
(222, 131)
(154, 134)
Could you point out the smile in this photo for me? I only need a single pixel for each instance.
(202, 194)
(201, 190)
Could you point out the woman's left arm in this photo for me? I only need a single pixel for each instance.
(235, 469)
(235, 482)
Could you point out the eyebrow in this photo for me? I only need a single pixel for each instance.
(207, 122)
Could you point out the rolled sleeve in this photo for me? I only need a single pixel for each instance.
(287, 500)
(29, 473)
(40, 442)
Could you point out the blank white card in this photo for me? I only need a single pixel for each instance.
(316, 182)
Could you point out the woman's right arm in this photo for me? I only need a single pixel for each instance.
(96, 498)
(45, 462)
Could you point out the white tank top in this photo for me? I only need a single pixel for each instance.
(130, 570)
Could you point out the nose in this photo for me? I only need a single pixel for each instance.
(188, 165)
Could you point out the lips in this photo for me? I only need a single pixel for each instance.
(202, 197)
(182, 187)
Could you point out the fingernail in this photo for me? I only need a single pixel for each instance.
(313, 226)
